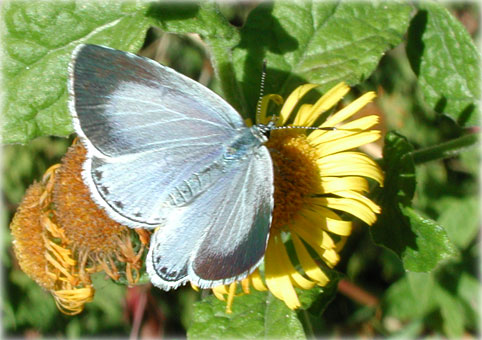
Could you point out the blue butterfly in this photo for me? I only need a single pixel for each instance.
(164, 151)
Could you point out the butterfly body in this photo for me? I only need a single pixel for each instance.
(235, 152)
(165, 152)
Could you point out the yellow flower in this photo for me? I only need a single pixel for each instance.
(318, 179)
(61, 237)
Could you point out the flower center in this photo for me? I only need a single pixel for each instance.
(296, 175)
(85, 225)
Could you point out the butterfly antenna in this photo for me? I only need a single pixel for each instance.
(261, 93)
(325, 128)
(330, 128)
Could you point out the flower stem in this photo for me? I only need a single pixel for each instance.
(445, 150)
(308, 327)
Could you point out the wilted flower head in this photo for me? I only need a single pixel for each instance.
(61, 237)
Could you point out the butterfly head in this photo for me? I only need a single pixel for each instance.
(263, 131)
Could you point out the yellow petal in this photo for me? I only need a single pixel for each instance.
(245, 285)
(263, 118)
(71, 301)
(312, 270)
(339, 227)
(218, 295)
(349, 164)
(292, 100)
(340, 244)
(330, 256)
(229, 303)
(334, 184)
(308, 225)
(345, 141)
(277, 279)
(64, 255)
(331, 222)
(351, 206)
(257, 281)
(363, 123)
(326, 102)
(194, 287)
(297, 279)
(223, 290)
(303, 115)
(359, 197)
(300, 282)
(349, 110)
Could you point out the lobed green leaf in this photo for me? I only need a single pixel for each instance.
(257, 315)
(446, 61)
(38, 39)
(315, 41)
(420, 242)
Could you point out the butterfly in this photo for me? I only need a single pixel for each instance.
(166, 153)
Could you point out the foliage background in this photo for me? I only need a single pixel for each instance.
(413, 274)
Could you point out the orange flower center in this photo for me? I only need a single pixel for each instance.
(85, 225)
(296, 175)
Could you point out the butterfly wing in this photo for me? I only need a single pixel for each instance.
(140, 122)
(220, 237)
(123, 103)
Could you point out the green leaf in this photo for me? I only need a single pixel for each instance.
(400, 302)
(459, 286)
(452, 313)
(37, 40)
(320, 42)
(257, 315)
(107, 303)
(419, 296)
(30, 296)
(391, 229)
(318, 298)
(460, 218)
(468, 286)
(420, 242)
(432, 244)
(445, 58)
(27, 163)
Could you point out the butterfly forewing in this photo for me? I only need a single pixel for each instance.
(145, 136)
(123, 104)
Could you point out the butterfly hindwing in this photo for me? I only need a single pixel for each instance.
(222, 235)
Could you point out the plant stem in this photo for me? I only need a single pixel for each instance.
(357, 294)
(445, 150)
(305, 319)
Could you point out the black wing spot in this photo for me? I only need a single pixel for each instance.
(158, 258)
(98, 174)
(105, 190)
(138, 214)
(119, 204)
(163, 270)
